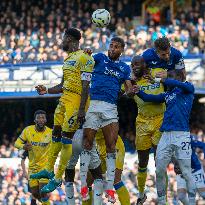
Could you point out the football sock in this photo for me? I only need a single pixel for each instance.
(45, 201)
(98, 191)
(110, 175)
(84, 164)
(141, 178)
(54, 150)
(122, 193)
(66, 153)
(69, 189)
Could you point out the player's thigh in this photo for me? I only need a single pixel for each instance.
(70, 123)
(156, 133)
(164, 148)
(143, 136)
(120, 153)
(59, 114)
(182, 143)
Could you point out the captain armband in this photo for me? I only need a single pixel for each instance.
(86, 76)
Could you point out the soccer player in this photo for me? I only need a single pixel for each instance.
(197, 173)
(70, 112)
(108, 76)
(149, 120)
(36, 140)
(175, 131)
(164, 57)
(24, 155)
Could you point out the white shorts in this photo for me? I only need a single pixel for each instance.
(77, 149)
(199, 179)
(176, 143)
(100, 114)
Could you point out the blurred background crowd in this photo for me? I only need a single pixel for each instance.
(32, 30)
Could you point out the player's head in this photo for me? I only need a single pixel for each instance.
(177, 75)
(40, 119)
(162, 46)
(71, 37)
(116, 48)
(138, 66)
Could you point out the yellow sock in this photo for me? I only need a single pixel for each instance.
(141, 178)
(89, 201)
(54, 150)
(45, 201)
(122, 193)
(66, 153)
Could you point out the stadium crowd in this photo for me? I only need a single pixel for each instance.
(32, 30)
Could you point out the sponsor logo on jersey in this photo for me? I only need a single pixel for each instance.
(170, 97)
(70, 63)
(150, 87)
(112, 72)
(40, 144)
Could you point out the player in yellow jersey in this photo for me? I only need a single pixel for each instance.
(36, 140)
(148, 122)
(70, 112)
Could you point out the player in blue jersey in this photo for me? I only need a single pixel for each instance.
(163, 57)
(175, 131)
(108, 76)
(197, 173)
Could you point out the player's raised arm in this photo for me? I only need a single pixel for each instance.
(42, 90)
(87, 64)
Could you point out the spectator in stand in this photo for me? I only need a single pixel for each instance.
(31, 31)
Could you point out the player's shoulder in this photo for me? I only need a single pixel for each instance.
(85, 58)
(100, 56)
(29, 128)
(175, 52)
(149, 54)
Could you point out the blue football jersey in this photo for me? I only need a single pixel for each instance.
(154, 62)
(107, 78)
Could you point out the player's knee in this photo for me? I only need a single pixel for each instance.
(69, 175)
(56, 131)
(87, 143)
(181, 196)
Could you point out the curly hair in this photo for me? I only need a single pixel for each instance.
(75, 33)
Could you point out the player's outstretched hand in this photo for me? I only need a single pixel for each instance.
(88, 51)
(81, 116)
(27, 146)
(41, 89)
(162, 74)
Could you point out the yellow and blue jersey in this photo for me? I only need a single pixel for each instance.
(75, 65)
(40, 141)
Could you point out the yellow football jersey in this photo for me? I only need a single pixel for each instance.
(150, 109)
(76, 63)
(38, 155)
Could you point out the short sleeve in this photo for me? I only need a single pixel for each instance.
(179, 62)
(86, 63)
(23, 136)
(97, 57)
(128, 73)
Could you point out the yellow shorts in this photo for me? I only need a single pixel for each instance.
(66, 112)
(120, 149)
(147, 132)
